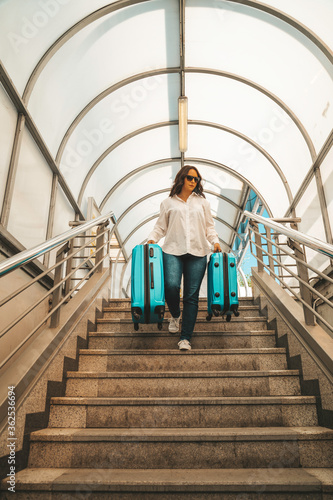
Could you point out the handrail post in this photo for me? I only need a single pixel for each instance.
(56, 296)
(100, 238)
(270, 250)
(302, 271)
(69, 266)
(259, 252)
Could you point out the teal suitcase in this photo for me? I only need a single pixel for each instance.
(147, 285)
(222, 289)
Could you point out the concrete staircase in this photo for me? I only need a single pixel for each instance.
(142, 420)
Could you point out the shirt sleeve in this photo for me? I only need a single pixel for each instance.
(161, 225)
(211, 233)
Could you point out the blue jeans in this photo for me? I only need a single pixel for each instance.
(193, 269)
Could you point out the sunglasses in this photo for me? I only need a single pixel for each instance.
(190, 178)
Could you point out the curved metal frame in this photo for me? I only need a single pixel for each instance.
(126, 3)
(267, 93)
(215, 165)
(168, 71)
(106, 93)
(147, 166)
(114, 146)
(235, 174)
(167, 190)
(173, 123)
(90, 18)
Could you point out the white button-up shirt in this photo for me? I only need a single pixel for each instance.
(187, 226)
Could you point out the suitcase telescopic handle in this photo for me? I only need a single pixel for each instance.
(151, 275)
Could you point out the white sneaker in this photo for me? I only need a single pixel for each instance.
(184, 345)
(174, 325)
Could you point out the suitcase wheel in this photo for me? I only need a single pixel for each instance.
(216, 313)
(228, 318)
(236, 314)
(209, 317)
(159, 326)
(136, 326)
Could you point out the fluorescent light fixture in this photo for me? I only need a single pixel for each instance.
(182, 117)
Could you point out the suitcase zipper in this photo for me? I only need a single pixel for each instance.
(147, 284)
(226, 283)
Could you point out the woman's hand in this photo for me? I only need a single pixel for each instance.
(151, 242)
(217, 248)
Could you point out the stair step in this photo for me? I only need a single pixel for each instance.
(175, 448)
(183, 384)
(166, 340)
(264, 411)
(111, 312)
(102, 360)
(218, 324)
(126, 303)
(197, 484)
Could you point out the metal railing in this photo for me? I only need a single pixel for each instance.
(75, 263)
(289, 266)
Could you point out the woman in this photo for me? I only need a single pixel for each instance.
(186, 222)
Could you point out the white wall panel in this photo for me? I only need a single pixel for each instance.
(31, 197)
(64, 213)
(312, 223)
(326, 169)
(8, 120)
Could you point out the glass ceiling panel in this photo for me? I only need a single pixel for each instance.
(143, 210)
(28, 29)
(221, 182)
(309, 210)
(317, 17)
(273, 54)
(224, 234)
(138, 215)
(206, 142)
(222, 209)
(326, 169)
(153, 31)
(141, 103)
(139, 236)
(161, 176)
(152, 179)
(248, 111)
(139, 150)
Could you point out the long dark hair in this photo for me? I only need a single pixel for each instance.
(179, 181)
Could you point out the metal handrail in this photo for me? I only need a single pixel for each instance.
(314, 243)
(63, 288)
(26, 256)
(296, 240)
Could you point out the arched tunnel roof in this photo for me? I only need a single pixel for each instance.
(100, 82)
